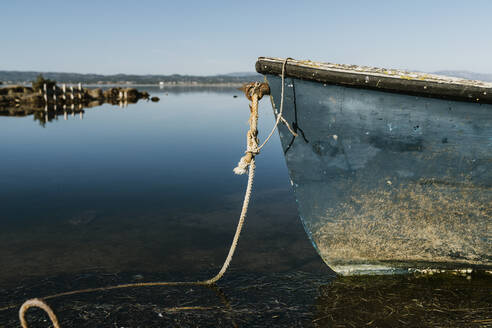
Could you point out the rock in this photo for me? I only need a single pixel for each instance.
(111, 93)
(95, 93)
(94, 103)
(83, 218)
(138, 277)
(131, 94)
(15, 89)
(155, 99)
(33, 100)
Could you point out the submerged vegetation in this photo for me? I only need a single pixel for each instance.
(451, 299)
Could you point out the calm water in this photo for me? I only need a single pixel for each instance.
(147, 193)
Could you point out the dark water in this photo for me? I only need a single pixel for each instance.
(147, 193)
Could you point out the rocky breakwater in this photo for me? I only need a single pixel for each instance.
(21, 97)
(47, 100)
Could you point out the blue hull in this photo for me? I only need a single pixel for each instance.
(388, 181)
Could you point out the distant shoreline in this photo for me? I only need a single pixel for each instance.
(129, 80)
(168, 85)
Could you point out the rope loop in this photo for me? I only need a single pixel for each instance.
(39, 303)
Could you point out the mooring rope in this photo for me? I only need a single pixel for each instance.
(254, 92)
(279, 114)
(35, 302)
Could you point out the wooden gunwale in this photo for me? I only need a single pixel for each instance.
(395, 81)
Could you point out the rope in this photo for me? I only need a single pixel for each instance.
(244, 210)
(255, 94)
(252, 91)
(279, 115)
(35, 302)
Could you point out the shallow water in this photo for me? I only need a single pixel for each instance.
(147, 193)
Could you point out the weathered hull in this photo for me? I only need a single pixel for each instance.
(388, 181)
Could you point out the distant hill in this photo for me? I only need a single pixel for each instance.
(244, 74)
(232, 78)
(467, 75)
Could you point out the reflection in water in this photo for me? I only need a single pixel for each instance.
(203, 89)
(52, 112)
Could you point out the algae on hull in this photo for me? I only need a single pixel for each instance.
(414, 222)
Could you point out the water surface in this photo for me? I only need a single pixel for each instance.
(147, 193)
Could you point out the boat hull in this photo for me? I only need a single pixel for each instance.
(388, 181)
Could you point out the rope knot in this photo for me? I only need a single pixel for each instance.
(254, 152)
(257, 88)
(254, 91)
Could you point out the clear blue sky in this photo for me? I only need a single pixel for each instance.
(209, 37)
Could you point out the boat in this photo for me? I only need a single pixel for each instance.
(392, 170)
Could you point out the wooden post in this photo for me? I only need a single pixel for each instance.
(45, 91)
(71, 93)
(64, 88)
(80, 91)
(54, 93)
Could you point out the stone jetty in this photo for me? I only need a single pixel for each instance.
(22, 97)
(47, 100)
